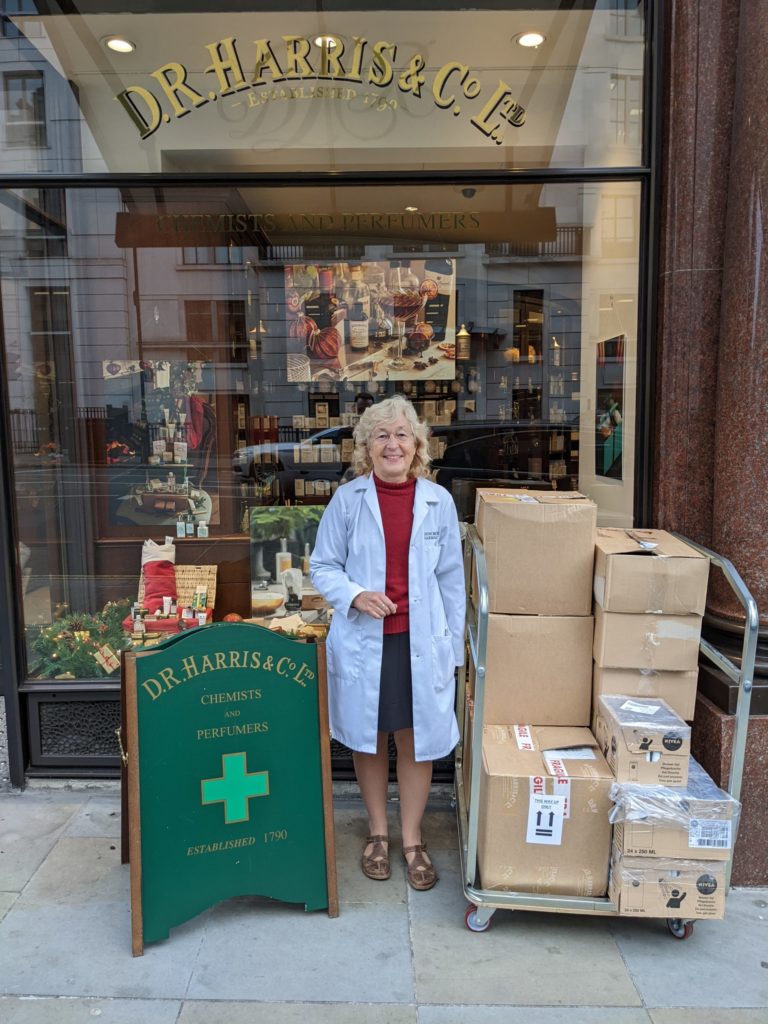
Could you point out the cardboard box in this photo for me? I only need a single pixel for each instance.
(658, 887)
(661, 642)
(649, 571)
(699, 821)
(543, 814)
(539, 550)
(538, 670)
(643, 740)
(678, 689)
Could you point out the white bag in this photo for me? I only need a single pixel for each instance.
(151, 551)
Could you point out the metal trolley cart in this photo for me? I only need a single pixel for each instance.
(484, 902)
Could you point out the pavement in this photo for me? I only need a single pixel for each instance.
(393, 956)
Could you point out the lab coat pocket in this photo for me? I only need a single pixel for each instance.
(442, 661)
(431, 556)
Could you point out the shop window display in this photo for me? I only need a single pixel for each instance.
(216, 389)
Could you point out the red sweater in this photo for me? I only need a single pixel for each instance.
(396, 505)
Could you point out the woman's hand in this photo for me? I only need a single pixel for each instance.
(374, 603)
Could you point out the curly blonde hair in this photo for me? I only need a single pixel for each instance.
(387, 412)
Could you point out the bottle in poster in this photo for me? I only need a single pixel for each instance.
(437, 287)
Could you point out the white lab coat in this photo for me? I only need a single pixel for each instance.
(349, 557)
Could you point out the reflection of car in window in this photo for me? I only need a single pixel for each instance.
(469, 455)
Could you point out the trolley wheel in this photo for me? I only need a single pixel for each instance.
(679, 929)
(472, 921)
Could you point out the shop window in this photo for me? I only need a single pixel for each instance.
(147, 400)
(619, 225)
(626, 23)
(24, 101)
(12, 9)
(627, 109)
(220, 255)
(46, 222)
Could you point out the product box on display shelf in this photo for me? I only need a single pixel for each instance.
(660, 887)
(643, 740)
(539, 549)
(649, 571)
(662, 642)
(543, 815)
(678, 689)
(538, 669)
(699, 821)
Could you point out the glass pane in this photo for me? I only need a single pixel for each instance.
(151, 396)
(335, 90)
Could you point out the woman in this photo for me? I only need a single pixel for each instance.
(388, 559)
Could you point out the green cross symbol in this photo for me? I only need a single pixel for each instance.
(235, 788)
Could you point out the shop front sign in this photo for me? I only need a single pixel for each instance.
(228, 775)
(371, 74)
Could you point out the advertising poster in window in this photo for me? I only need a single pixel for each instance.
(384, 320)
(610, 407)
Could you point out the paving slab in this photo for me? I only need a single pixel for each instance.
(271, 952)
(69, 933)
(722, 964)
(7, 899)
(524, 959)
(471, 1014)
(29, 827)
(707, 1015)
(80, 870)
(205, 1012)
(100, 816)
(68, 1010)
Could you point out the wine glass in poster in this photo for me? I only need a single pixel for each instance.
(379, 320)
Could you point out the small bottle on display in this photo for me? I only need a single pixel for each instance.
(358, 328)
(283, 559)
(305, 561)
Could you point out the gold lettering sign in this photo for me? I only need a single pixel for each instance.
(275, 70)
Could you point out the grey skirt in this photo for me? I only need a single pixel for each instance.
(395, 687)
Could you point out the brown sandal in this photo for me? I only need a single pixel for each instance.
(420, 872)
(376, 865)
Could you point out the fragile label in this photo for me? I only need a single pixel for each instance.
(523, 737)
(545, 819)
(709, 834)
(641, 709)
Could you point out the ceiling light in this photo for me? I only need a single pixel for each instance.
(119, 45)
(530, 39)
(325, 41)
(411, 209)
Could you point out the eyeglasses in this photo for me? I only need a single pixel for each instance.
(401, 437)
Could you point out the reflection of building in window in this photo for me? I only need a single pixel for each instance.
(217, 329)
(12, 9)
(208, 255)
(619, 226)
(45, 211)
(24, 104)
(627, 108)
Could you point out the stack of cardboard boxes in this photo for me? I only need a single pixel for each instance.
(674, 829)
(650, 590)
(544, 788)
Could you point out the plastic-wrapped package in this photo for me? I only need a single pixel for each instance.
(700, 820)
(662, 887)
(643, 740)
